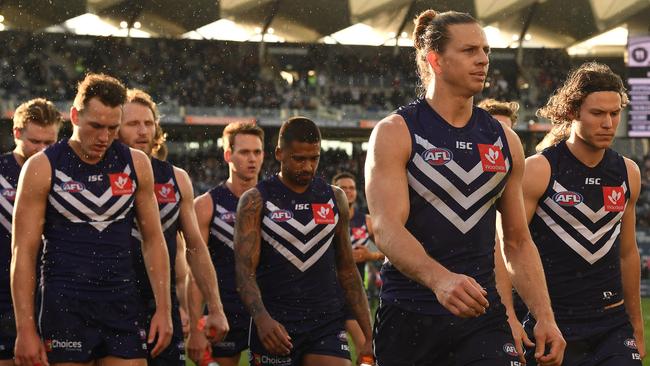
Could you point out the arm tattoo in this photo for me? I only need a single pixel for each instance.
(247, 250)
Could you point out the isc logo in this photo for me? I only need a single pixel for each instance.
(302, 206)
(96, 178)
(72, 186)
(437, 156)
(281, 215)
(567, 198)
(592, 181)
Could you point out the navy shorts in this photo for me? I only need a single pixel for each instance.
(404, 338)
(236, 340)
(174, 354)
(614, 347)
(328, 339)
(76, 330)
(7, 334)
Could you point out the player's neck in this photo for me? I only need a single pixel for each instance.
(455, 109)
(19, 155)
(586, 153)
(292, 186)
(75, 145)
(238, 186)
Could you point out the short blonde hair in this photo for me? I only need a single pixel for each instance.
(39, 111)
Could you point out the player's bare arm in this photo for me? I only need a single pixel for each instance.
(247, 241)
(154, 252)
(29, 217)
(182, 272)
(348, 275)
(522, 259)
(630, 261)
(199, 260)
(388, 202)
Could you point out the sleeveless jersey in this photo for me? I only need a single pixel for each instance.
(220, 244)
(88, 220)
(576, 228)
(455, 175)
(169, 198)
(297, 268)
(9, 172)
(359, 235)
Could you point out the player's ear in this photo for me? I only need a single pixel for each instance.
(74, 115)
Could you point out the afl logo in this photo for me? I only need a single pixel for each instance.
(228, 217)
(630, 343)
(510, 349)
(9, 194)
(437, 156)
(567, 198)
(281, 215)
(72, 186)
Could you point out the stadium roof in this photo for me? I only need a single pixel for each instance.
(549, 23)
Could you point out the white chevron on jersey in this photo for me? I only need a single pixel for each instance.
(302, 266)
(462, 225)
(466, 176)
(224, 226)
(594, 216)
(87, 211)
(573, 244)
(99, 225)
(136, 234)
(6, 205)
(226, 240)
(98, 201)
(290, 238)
(592, 237)
(4, 183)
(295, 223)
(465, 201)
(171, 220)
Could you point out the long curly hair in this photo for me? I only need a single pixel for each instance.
(564, 105)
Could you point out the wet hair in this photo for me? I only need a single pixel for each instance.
(299, 129)
(498, 108)
(110, 91)
(38, 111)
(564, 105)
(235, 128)
(343, 175)
(431, 33)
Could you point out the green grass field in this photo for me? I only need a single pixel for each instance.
(646, 319)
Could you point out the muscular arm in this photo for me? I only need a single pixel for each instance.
(388, 201)
(347, 272)
(630, 262)
(29, 217)
(198, 254)
(182, 278)
(154, 251)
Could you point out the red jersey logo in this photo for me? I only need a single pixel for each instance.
(492, 158)
(359, 232)
(165, 193)
(121, 184)
(323, 213)
(614, 199)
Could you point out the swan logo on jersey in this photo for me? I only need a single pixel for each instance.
(165, 193)
(510, 349)
(614, 199)
(323, 213)
(359, 232)
(228, 217)
(630, 343)
(281, 215)
(437, 156)
(492, 158)
(567, 198)
(72, 186)
(121, 184)
(9, 194)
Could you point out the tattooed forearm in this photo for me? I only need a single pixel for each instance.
(247, 250)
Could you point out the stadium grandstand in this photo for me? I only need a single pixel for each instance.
(345, 64)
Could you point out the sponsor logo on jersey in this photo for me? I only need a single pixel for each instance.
(630, 343)
(567, 198)
(9, 194)
(228, 217)
(66, 345)
(72, 186)
(165, 193)
(121, 184)
(281, 215)
(437, 156)
(510, 349)
(343, 336)
(323, 213)
(492, 158)
(264, 360)
(614, 199)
